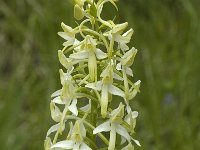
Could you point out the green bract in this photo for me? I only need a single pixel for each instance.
(97, 65)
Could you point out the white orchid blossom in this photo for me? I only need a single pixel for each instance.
(113, 125)
(76, 141)
(96, 63)
(90, 52)
(106, 87)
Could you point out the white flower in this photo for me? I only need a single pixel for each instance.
(66, 62)
(116, 34)
(113, 126)
(130, 118)
(126, 61)
(106, 86)
(76, 141)
(68, 34)
(90, 52)
(67, 96)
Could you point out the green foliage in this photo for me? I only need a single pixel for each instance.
(167, 35)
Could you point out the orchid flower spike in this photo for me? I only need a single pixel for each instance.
(96, 71)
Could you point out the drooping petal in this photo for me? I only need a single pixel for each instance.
(92, 66)
(84, 147)
(100, 54)
(123, 46)
(128, 57)
(86, 108)
(116, 76)
(79, 55)
(128, 35)
(68, 144)
(104, 100)
(112, 139)
(123, 132)
(58, 100)
(134, 90)
(63, 60)
(56, 93)
(119, 28)
(53, 129)
(119, 66)
(116, 91)
(55, 112)
(73, 107)
(96, 86)
(65, 36)
(104, 127)
(136, 142)
(129, 71)
(78, 12)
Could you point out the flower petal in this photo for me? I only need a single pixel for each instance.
(116, 76)
(87, 107)
(100, 54)
(58, 100)
(123, 132)
(136, 142)
(104, 127)
(129, 71)
(56, 93)
(53, 129)
(68, 144)
(79, 55)
(119, 66)
(65, 36)
(96, 86)
(73, 107)
(116, 91)
(63, 60)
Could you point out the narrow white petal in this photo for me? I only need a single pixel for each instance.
(119, 66)
(123, 132)
(68, 144)
(116, 91)
(100, 54)
(116, 76)
(87, 107)
(73, 107)
(136, 142)
(64, 36)
(84, 147)
(58, 100)
(79, 55)
(96, 86)
(53, 129)
(129, 71)
(68, 43)
(56, 93)
(104, 127)
(105, 72)
(124, 47)
(112, 139)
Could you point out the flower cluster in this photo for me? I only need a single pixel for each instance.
(97, 65)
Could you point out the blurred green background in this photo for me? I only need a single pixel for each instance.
(167, 34)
